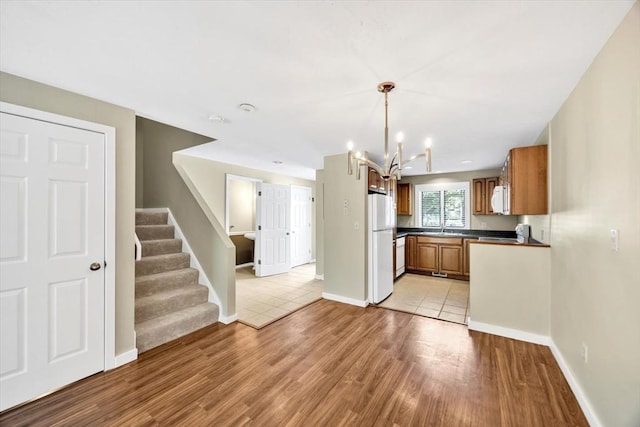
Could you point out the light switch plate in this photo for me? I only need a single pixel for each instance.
(614, 240)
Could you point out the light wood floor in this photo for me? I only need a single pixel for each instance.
(328, 364)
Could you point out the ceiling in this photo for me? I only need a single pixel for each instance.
(478, 77)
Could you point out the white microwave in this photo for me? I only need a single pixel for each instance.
(497, 200)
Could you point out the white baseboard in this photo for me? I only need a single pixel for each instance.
(586, 407)
(345, 300)
(319, 277)
(228, 319)
(126, 357)
(246, 264)
(587, 410)
(509, 333)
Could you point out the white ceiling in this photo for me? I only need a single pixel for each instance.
(479, 77)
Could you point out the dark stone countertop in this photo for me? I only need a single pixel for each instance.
(491, 236)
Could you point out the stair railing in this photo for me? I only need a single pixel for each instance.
(138, 247)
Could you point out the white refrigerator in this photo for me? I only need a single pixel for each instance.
(382, 221)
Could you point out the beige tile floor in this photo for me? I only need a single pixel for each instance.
(440, 298)
(262, 300)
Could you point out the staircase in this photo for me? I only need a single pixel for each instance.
(170, 302)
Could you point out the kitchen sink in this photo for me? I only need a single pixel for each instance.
(441, 234)
(498, 239)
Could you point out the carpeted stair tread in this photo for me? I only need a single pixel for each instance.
(155, 232)
(163, 303)
(161, 247)
(151, 218)
(160, 282)
(170, 302)
(161, 263)
(160, 330)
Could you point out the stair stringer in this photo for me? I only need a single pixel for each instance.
(222, 249)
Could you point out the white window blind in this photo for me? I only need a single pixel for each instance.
(443, 205)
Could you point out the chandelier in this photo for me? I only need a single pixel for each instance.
(392, 167)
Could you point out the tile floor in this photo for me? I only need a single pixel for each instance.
(262, 300)
(444, 299)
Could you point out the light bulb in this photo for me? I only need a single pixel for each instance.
(358, 154)
(350, 145)
(400, 137)
(427, 142)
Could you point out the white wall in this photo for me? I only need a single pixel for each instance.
(595, 292)
(509, 287)
(242, 206)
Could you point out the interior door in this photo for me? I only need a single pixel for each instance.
(300, 225)
(273, 243)
(51, 256)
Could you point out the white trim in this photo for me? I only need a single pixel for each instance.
(126, 357)
(586, 407)
(441, 187)
(345, 300)
(509, 333)
(213, 296)
(319, 277)
(109, 211)
(228, 319)
(246, 264)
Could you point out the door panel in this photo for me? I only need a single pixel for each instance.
(53, 227)
(273, 253)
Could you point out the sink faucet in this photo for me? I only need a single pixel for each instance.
(442, 229)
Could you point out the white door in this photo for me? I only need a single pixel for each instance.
(273, 246)
(300, 225)
(52, 229)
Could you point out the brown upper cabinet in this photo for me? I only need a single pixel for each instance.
(376, 182)
(404, 202)
(482, 192)
(524, 177)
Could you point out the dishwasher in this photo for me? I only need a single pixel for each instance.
(399, 256)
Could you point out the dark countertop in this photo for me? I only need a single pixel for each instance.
(492, 236)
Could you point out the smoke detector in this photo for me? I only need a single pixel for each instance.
(247, 108)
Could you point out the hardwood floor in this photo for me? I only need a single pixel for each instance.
(328, 364)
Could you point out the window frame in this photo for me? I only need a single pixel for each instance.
(442, 187)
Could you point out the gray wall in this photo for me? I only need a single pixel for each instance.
(319, 211)
(345, 251)
(164, 186)
(595, 151)
(161, 182)
(19, 91)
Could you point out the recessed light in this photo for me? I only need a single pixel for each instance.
(466, 162)
(276, 162)
(247, 108)
(217, 119)
(407, 167)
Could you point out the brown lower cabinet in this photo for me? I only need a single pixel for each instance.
(410, 253)
(435, 255)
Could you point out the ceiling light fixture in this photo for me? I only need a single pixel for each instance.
(217, 119)
(247, 108)
(392, 168)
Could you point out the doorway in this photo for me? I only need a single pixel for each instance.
(58, 234)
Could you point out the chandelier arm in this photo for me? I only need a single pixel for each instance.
(371, 163)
